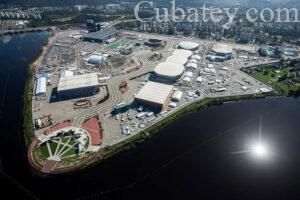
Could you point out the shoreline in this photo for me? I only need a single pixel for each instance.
(132, 142)
(28, 94)
(27, 30)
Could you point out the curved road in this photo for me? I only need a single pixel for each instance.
(115, 95)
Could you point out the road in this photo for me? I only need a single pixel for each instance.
(115, 96)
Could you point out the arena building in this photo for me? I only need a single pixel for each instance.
(101, 36)
(95, 59)
(155, 43)
(78, 86)
(222, 51)
(41, 86)
(192, 46)
(177, 59)
(183, 53)
(155, 95)
(168, 71)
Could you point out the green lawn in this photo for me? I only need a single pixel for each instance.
(61, 148)
(271, 78)
(118, 43)
(44, 151)
(232, 40)
(70, 152)
(121, 42)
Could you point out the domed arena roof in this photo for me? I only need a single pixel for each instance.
(178, 59)
(183, 53)
(169, 69)
(222, 48)
(188, 45)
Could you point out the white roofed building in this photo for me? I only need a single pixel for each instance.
(41, 86)
(191, 66)
(199, 79)
(188, 74)
(183, 53)
(95, 59)
(196, 57)
(178, 59)
(177, 96)
(168, 71)
(155, 95)
(189, 45)
(78, 86)
(187, 80)
(222, 50)
(67, 73)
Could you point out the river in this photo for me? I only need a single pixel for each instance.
(195, 158)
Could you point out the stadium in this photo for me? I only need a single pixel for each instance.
(221, 51)
(192, 46)
(183, 53)
(155, 43)
(177, 59)
(168, 71)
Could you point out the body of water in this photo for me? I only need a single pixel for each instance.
(193, 159)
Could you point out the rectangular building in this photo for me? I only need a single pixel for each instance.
(78, 86)
(101, 36)
(155, 95)
(41, 85)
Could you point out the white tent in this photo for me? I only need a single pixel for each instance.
(196, 57)
(41, 85)
(188, 74)
(187, 79)
(199, 79)
(191, 66)
(194, 61)
(177, 95)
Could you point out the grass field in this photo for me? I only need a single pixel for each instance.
(119, 43)
(27, 108)
(272, 77)
(63, 147)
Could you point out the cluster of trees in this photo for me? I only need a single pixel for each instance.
(50, 18)
(42, 3)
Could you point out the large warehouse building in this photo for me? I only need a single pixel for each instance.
(155, 95)
(188, 45)
(101, 36)
(168, 71)
(41, 85)
(78, 86)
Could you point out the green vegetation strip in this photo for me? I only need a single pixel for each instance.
(27, 108)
